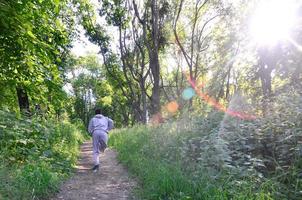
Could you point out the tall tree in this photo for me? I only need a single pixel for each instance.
(35, 38)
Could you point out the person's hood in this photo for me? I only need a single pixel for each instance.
(98, 116)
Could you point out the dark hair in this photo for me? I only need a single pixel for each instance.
(97, 111)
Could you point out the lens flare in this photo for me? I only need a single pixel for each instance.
(211, 101)
(172, 107)
(296, 44)
(188, 93)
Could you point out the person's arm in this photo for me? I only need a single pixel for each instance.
(110, 124)
(90, 127)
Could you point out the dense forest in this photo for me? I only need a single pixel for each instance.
(206, 95)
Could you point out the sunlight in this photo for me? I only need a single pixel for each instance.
(273, 21)
(293, 42)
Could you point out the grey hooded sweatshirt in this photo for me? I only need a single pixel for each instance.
(100, 123)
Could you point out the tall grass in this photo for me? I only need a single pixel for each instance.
(36, 155)
(188, 159)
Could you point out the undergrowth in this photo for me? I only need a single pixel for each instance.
(193, 159)
(35, 155)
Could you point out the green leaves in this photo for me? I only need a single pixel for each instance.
(56, 2)
(35, 39)
(31, 34)
(23, 141)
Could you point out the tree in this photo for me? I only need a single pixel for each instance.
(35, 38)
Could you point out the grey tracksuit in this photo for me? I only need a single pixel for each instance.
(98, 127)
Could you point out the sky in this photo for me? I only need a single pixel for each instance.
(82, 46)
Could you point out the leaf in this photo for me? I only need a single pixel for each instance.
(57, 2)
(12, 158)
(57, 10)
(22, 142)
(31, 34)
(4, 23)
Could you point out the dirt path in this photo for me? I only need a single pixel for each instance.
(110, 182)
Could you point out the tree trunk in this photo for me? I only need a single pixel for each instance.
(267, 62)
(266, 81)
(155, 98)
(154, 61)
(227, 93)
(144, 102)
(23, 100)
(152, 44)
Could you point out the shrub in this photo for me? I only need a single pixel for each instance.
(217, 156)
(36, 155)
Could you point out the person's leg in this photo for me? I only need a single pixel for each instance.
(96, 150)
(103, 142)
(103, 146)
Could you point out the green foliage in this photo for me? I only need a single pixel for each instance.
(213, 156)
(115, 13)
(36, 155)
(155, 156)
(93, 88)
(30, 181)
(38, 180)
(35, 38)
(207, 156)
(112, 65)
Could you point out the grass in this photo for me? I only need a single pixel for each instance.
(36, 155)
(170, 164)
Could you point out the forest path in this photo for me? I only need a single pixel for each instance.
(110, 182)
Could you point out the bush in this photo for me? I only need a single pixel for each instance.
(36, 155)
(217, 156)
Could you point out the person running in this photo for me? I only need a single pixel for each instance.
(98, 127)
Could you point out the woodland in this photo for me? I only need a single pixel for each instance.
(206, 95)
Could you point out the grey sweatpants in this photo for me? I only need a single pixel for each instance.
(99, 142)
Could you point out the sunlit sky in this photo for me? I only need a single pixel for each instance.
(273, 21)
(82, 46)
